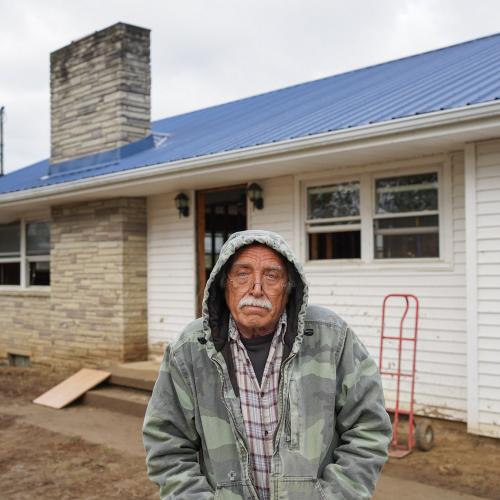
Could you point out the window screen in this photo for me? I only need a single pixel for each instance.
(333, 221)
(10, 240)
(406, 220)
(37, 238)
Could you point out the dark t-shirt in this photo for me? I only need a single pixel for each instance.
(258, 350)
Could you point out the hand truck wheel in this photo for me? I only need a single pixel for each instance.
(424, 435)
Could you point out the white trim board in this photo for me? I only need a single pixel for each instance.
(471, 288)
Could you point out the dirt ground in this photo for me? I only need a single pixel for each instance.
(36, 462)
(458, 461)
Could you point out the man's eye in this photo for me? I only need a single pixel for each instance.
(272, 276)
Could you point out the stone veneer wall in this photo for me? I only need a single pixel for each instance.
(95, 312)
(98, 282)
(25, 324)
(100, 92)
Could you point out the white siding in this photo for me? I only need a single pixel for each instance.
(356, 293)
(488, 286)
(171, 268)
(278, 212)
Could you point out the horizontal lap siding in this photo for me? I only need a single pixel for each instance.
(277, 214)
(488, 283)
(357, 296)
(171, 269)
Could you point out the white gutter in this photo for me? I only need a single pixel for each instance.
(459, 119)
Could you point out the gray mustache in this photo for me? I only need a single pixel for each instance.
(255, 302)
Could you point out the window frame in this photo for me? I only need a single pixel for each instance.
(367, 177)
(397, 215)
(15, 260)
(354, 227)
(24, 259)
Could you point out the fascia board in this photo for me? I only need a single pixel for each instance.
(471, 117)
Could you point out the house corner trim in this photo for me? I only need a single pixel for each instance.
(471, 289)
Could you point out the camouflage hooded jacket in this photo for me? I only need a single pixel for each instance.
(333, 431)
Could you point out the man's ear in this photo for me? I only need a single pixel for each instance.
(222, 278)
(224, 272)
(291, 272)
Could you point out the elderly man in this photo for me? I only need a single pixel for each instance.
(264, 397)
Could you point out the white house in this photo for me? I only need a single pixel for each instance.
(384, 180)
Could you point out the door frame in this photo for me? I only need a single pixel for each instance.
(200, 238)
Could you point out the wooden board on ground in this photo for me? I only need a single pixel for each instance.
(72, 388)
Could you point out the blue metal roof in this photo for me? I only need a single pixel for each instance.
(452, 77)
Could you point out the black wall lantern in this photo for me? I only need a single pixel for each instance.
(182, 205)
(254, 192)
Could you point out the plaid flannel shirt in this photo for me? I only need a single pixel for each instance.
(259, 404)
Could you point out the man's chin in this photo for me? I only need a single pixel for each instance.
(254, 319)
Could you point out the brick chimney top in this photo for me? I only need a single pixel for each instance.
(100, 92)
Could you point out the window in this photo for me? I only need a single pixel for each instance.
(38, 253)
(25, 244)
(406, 219)
(19, 360)
(334, 221)
(375, 217)
(10, 254)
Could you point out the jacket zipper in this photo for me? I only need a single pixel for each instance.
(288, 423)
(280, 392)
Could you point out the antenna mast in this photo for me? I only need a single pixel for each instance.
(1, 140)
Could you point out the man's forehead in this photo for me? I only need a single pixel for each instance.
(258, 253)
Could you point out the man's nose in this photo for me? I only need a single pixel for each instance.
(256, 289)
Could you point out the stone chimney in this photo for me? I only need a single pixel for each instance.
(100, 92)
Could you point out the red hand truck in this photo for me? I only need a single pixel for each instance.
(423, 437)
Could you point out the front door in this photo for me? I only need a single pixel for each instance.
(220, 213)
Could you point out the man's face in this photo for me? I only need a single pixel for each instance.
(256, 290)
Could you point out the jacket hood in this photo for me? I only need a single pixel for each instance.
(214, 309)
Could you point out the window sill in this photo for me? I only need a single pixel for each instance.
(403, 265)
(17, 291)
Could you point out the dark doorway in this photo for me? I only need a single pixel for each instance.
(220, 213)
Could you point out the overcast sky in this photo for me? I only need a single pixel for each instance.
(206, 52)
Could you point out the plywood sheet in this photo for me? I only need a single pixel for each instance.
(72, 388)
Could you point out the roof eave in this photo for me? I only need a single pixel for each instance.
(446, 121)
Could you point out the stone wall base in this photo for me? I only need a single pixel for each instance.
(95, 312)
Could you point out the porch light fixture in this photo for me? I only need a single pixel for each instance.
(254, 192)
(182, 205)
